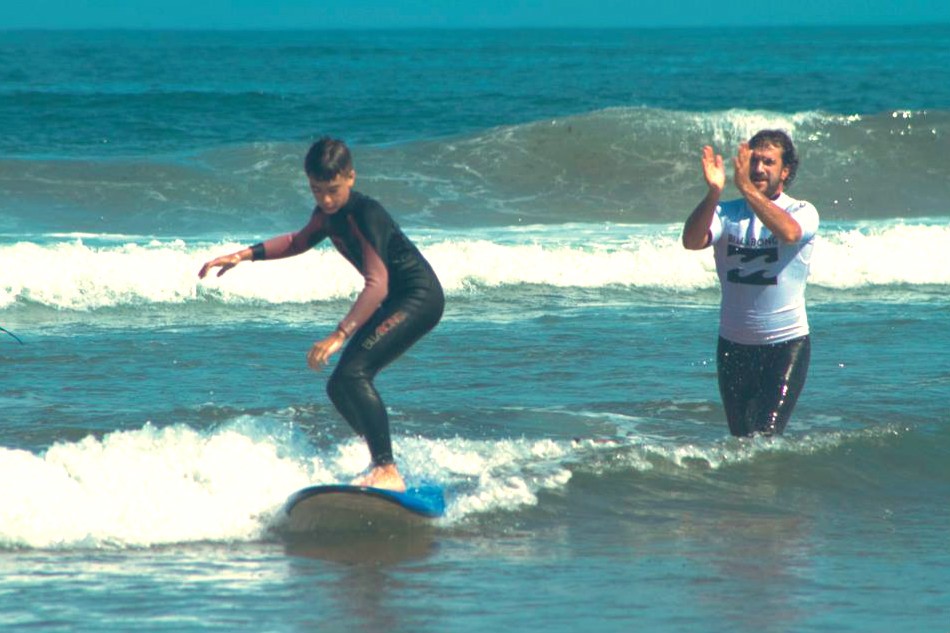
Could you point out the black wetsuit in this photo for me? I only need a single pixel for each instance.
(401, 301)
(760, 384)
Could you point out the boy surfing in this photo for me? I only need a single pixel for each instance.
(401, 300)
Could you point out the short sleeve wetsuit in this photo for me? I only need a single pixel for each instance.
(764, 346)
(401, 301)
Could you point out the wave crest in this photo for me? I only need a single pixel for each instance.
(78, 275)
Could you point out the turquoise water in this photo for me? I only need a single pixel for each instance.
(153, 424)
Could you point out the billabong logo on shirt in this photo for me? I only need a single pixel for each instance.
(758, 242)
(746, 255)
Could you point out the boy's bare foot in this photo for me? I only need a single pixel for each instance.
(386, 477)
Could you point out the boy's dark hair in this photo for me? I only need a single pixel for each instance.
(781, 139)
(327, 159)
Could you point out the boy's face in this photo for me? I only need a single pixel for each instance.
(332, 195)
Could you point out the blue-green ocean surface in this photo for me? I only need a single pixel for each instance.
(153, 424)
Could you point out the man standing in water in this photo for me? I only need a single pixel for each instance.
(763, 244)
(401, 299)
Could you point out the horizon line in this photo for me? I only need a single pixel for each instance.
(303, 29)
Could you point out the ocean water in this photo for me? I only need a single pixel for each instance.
(153, 424)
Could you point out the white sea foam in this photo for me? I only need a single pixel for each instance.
(883, 254)
(155, 486)
(144, 487)
(78, 276)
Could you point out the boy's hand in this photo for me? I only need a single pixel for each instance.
(226, 262)
(319, 354)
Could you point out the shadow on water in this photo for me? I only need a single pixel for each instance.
(357, 573)
(363, 546)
